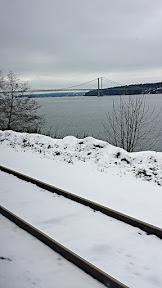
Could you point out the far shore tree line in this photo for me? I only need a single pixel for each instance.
(134, 89)
(131, 124)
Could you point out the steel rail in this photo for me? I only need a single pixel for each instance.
(148, 228)
(78, 261)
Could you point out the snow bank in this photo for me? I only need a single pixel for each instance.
(101, 155)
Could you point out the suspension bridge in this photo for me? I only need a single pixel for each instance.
(98, 85)
(101, 83)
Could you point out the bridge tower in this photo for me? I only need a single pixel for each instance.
(98, 87)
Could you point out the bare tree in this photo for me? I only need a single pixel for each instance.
(131, 124)
(16, 111)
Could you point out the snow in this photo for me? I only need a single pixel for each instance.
(92, 169)
(100, 172)
(29, 263)
(122, 251)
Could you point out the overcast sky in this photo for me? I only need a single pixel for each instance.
(60, 43)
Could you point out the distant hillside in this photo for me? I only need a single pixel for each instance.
(149, 88)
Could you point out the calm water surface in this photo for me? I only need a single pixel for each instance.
(84, 115)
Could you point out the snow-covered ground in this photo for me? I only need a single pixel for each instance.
(124, 252)
(26, 262)
(127, 182)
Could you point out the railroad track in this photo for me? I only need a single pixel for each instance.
(84, 265)
(150, 229)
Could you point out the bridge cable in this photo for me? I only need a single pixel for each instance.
(79, 84)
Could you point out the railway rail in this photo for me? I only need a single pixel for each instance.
(84, 265)
(148, 228)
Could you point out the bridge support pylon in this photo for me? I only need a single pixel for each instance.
(98, 87)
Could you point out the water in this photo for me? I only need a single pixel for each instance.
(80, 116)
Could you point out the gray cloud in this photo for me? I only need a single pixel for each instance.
(60, 42)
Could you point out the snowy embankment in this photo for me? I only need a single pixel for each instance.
(127, 182)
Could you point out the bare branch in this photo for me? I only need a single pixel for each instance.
(18, 111)
(131, 124)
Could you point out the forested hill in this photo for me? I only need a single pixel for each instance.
(149, 88)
